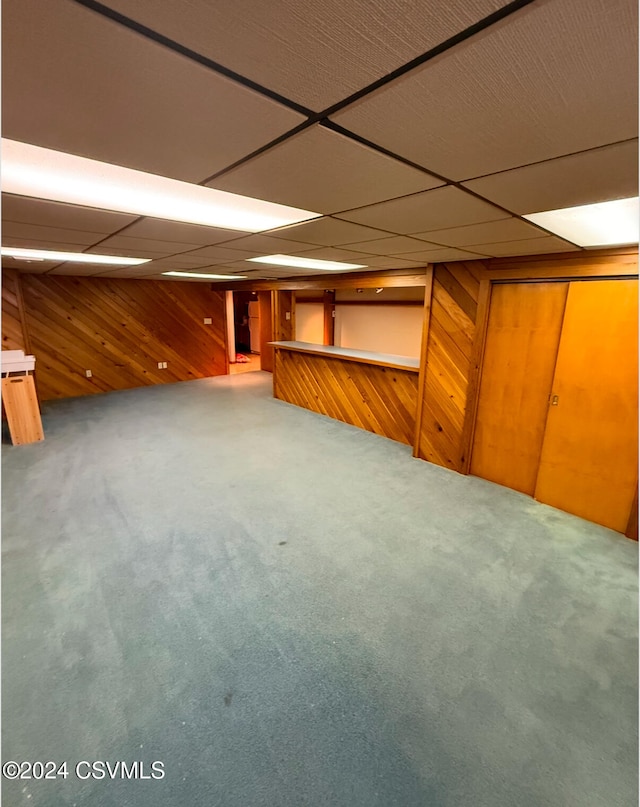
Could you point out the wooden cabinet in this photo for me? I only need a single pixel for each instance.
(558, 405)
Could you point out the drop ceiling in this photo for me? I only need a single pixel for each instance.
(422, 131)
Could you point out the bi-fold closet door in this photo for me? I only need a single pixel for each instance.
(557, 412)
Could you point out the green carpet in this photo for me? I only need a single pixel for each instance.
(289, 611)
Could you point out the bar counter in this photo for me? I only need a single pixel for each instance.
(374, 391)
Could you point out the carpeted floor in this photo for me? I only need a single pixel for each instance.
(289, 611)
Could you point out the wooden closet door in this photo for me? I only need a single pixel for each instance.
(589, 456)
(525, 320)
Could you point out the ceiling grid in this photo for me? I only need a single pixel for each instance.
(421, 132)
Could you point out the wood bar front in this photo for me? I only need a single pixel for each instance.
(373, 391)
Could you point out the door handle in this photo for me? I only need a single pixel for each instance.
(553, 400)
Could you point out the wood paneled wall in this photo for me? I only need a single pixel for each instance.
(284, 328)
(329, 316)
(456, 313)
(120, 330)
(379, 399)
(448, 357)
(13, 332)
(265, 299)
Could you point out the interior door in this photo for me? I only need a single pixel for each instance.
(266, 331)
(589, 459)
(525, 320)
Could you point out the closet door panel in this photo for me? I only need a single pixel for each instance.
(525, 320)
(589, 457)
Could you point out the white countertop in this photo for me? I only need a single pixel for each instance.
(351, 354)
(14, 361)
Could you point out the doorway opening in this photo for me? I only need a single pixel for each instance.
(245, 356)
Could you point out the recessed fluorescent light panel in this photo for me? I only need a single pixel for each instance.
(205, 276)
(46, 174)
(597, 225)
(306, 263)
(74, 257)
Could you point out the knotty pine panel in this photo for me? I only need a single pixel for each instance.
(283, 305)
(120, 329)
(379, 399)
(13, 336)
(452, 326)
(265, 300)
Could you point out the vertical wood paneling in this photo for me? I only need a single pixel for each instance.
(379, 399)
(120, 330)
(13, 331)
(473, 387)
(424, 346)
(283, 316)
(447, 363)
(329, 316)
(266, 330)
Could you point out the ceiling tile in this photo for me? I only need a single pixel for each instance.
(317, 52)
(550, 79)
(31, 243)
(163, 230)
(323, 171)
(221, 254)
(532, 246)
(125, 253)
(237, 267)
(76, 81)
(386, 262)
(328, 232)
(267, 245)
(180, 262)
(77, 269)
(269, 271)
(336, 254)
(489, 232)
(129, 271)
(431, 210)
(54, 214)
(597, 175)
(172, 279)
(449, 254)
(186, 278)
(28, 232)
(27, 267)
(157, 247)
(221, 271)
(390, 246)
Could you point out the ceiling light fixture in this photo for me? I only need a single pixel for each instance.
(306, 263)
(598, 225)
(46, 174)
(74, 257)
(206, 276)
